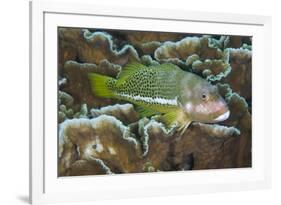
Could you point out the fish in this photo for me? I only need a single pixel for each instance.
(176, 96)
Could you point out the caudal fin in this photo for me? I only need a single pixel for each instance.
(101, 85)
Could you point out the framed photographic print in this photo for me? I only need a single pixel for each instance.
(130, 102)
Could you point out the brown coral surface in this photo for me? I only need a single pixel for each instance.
(108, 136)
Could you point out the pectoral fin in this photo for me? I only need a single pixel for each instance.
(177, 117)
(169, 119)
(146, 112)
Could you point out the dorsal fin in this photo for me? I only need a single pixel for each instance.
(166, 67)
(128, 70)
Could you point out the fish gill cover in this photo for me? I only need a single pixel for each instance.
(109, 136)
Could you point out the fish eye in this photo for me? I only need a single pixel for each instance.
(204, 96)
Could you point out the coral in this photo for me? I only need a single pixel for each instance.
(148, 146)
(107, 136)
(218, 130)
(67, 108)
(204, 58)
(125, 112)
(149, 47)
(148, 61)
(103, 138)
(83, 113)
(237, 41)
(213, 70)
(147, 127)
(148, 42)
(87, 167)
(65, 102)
(182, 49)
(65, 98)
(240, 78)
(229, 42)
(92, 47)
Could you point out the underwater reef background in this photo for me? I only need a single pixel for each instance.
(107, 136)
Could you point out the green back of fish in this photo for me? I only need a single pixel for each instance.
(161, 82)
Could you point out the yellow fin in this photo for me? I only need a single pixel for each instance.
(146, 112)
(169, 119)
(128, 70)
(100, 85)
(176, 118)
(183, 128)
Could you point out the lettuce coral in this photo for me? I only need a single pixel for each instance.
(240, 78)
(150, 147)
(148, 42)
(124, 112)
(103, 138)
(204, 58)
(93, 47)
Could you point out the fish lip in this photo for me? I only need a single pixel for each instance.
(222, 117)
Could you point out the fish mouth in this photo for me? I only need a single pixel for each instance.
(222, 117)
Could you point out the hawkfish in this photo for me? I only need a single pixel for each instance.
(176, 96)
